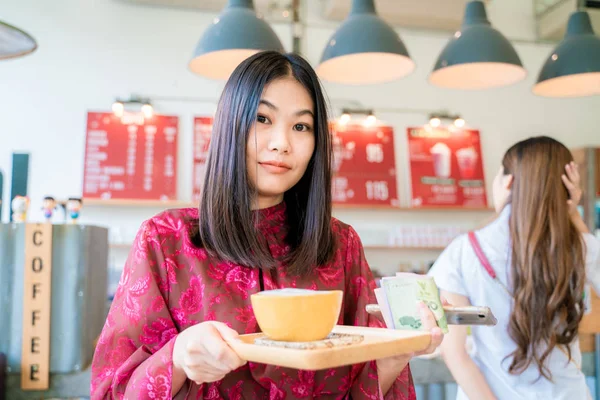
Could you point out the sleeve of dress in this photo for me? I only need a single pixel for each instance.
(360, 287)
(447, 271)
(133, 357)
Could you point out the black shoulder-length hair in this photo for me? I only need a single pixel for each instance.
(227, 226)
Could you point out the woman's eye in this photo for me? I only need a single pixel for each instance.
(262, 119)
(301, 128)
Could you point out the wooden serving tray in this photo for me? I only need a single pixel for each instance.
(376, 343)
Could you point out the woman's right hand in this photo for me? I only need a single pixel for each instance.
(572, 181)
(202, 353)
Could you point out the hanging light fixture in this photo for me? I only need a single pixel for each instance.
(459, 122)
(364, 49)
(14, 42)
(435, 122)
(344, 118)
(573, 68)
(236, 34)
(478, 56)
(370, 120)
(452, 120)
(133, 104)
(118, 108)
(147, 110)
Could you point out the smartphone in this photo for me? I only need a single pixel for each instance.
(469, 315)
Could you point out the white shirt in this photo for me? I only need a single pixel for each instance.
(458, 270)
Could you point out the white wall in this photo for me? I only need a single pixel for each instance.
(91, 51)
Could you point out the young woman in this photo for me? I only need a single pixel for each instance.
(542, 255)
(264, 222)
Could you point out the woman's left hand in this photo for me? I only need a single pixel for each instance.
(430, 324)
(388, 369)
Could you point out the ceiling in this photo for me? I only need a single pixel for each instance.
(265, 7)
(423, 14)
(552, 16)
(209, 5)
(442, 15)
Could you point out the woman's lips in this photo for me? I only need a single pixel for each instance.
(275, 167)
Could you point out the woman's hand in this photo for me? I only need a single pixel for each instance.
(389, 368)
(572, 181)
(202, 353)
(430, 324)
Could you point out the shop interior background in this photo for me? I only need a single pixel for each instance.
(91, 52)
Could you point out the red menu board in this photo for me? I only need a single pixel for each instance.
(446, 167)
(130, 157)
(202, 133)
(364, 165)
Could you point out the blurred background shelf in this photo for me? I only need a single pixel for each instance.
(185, 204)
(136, 203)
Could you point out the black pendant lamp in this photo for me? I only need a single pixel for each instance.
(364, 50)
(14, 42)
(236, 34)
(478, 56)
(573, 68)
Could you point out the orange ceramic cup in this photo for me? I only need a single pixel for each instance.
(297, 315)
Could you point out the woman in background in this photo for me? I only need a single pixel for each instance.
(541, 254)
(264, 222)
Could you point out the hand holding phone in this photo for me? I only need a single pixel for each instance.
(470, 315)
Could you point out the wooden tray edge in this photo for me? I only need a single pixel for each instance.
(318, 359)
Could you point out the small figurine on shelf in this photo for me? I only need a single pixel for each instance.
(19, 205)
(48, 205)
(74, 205)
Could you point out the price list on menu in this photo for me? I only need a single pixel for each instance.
(130, 157)
(202, 132)
(364, 165)
(446, 167)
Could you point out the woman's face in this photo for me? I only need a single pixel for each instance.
(282, 140)
(501, 189)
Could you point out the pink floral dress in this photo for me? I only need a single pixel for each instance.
(168, 285)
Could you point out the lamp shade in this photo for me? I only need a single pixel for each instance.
(236, 34)
(364, 49)
(15, 42)
(573, 68)
(477, 56)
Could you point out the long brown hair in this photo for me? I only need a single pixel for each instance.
(227, 226)
(548, 265)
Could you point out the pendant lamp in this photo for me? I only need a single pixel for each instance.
(14, 42)
(364, 50)
(477, 56)
(573, 68)
(236, 34)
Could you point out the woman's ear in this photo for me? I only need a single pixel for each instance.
(507, 181)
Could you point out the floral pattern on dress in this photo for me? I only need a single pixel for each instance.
(168, 285)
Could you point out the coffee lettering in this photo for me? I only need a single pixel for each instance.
(33, 371)
(36, 289)
(37, 264)
(35, 343)
(37, 241)
(35, 316)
